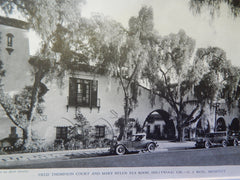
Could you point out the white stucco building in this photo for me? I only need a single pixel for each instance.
(98, 97)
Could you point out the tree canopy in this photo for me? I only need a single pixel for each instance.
(218, 77)
(123, 53)
(214, 6)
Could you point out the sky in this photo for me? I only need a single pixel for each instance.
(172, 15)
(169, 17)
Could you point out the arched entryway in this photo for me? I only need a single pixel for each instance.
(159, 126)
(202, 128)
(221, 125)
(234, 125)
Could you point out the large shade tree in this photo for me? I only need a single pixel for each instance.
(189, 84)
(219, 78)
(172, 77)
(123, 53)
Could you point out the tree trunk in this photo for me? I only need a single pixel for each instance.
(33, 106)
(35, 93)
(25, 135)
(182, 135)
(126, 117)
(178, 132)
(28, 136)
(121, 134)
(123, 128)
(27, 132)
(180, 128)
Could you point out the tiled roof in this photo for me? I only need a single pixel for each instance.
(13, 22)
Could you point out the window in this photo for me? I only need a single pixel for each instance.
(13, 132)
(61, 132)
(100, 131)
(10, 40)
(83, 92)
(9, 43)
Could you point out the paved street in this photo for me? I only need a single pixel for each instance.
(171, 157)
(13, 159)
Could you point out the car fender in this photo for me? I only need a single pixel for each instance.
(155, 144)
(122, 145)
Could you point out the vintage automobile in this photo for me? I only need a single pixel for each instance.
(222, 138)
(137, 142)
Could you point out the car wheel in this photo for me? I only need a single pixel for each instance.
(207, 144)
(235, 142)
(224, 143)
(120, 150)
(151, 147)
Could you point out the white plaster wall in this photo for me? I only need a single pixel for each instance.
(112, 98)
(209, 114)
(17, 68)
(16, 65)
(5, 127)
(111, 95)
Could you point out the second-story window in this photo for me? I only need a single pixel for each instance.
(10, 40)
(9, 47)
(83, 92)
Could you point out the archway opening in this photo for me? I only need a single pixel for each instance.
(234, 125)
(221, 125)
(160, 126)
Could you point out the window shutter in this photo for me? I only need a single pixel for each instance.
(72, 99)
(94, 89)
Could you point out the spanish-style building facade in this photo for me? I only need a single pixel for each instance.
(99, 98)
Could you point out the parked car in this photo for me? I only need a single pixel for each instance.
(8, 144)
(137, 142)
(222, 138)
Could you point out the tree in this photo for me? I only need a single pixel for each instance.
(48, 19)
(214, 6)
(191, 86)
(123, 53)
(172, 78)
(25, 107)
(2, 72)
(44, 16)
(79, 131)
(219, 79)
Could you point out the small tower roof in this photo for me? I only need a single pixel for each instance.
(14, 23)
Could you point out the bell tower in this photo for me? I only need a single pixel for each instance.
(14, 53)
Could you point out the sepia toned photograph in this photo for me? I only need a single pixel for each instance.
(138, 89)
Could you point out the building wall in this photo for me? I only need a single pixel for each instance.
(212, 117)
(15, 64)
(111, 106)
(58, 113)
(5, 127)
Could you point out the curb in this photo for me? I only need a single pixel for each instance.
(49, 154)
(80, 153)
